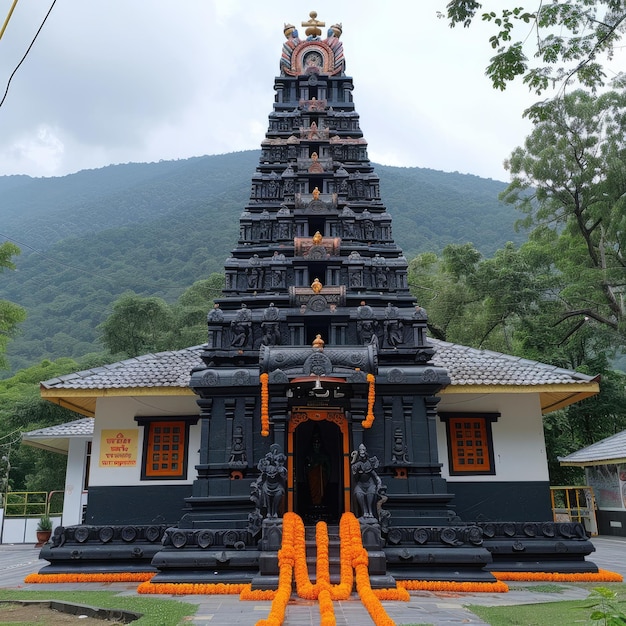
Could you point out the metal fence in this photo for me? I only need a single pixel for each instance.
(32, 503)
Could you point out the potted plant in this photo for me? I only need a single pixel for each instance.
(44, 530)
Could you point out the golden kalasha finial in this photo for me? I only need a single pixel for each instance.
(288, 30)
(317, 238)
(316, 285)
(318, 343)
(313, 25)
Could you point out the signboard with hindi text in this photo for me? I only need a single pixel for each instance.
(118, 448)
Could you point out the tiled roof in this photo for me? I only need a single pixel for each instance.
(163, 369)
(469, 366)
(466, 366)
(78, 428)
(612, 448)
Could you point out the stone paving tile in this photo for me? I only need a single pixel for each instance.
(438, 609)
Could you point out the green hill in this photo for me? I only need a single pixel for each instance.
(156, 228)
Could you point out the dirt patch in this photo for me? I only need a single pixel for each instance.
(43, 614)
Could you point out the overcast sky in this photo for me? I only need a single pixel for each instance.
(117, 81)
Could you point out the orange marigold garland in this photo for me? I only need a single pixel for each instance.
(371, 397)
(304, 587)
(447, 585)
(189, 589)
(601, 575)
(363, 586)
(286, 562)
(109, 577)
(343, 590)
(265, 401)
(324, 596)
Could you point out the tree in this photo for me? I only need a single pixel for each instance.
(148, 324)
(480, 302)
(510, 303)
(191, 310)
(24, 468)
(570, 37)
(10, 314)
(137, 325)
(570, 181)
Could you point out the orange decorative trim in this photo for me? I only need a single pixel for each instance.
(601, 575)
(110, 577)
(265, 400)
(444, 585)
(371, 398)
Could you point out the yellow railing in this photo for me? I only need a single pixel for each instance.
(575, 504)
(32, 503)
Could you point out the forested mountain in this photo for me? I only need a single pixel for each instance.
(156, 228)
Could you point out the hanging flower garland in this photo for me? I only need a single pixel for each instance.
(304, 587)
(265, 411)
(363, 585)
(286, 562)
(324, 596)
(371, 397)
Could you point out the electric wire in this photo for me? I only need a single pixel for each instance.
(6, 92)
(6, 21)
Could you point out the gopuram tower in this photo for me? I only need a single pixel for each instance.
(317, 363)
(317, 391)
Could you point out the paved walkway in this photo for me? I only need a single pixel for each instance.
(439, 609)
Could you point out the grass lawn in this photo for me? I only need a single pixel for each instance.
(156, 612)
(565, 613)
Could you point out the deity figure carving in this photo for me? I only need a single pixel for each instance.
(240, 327)
(420, 313)
(238, 450)
(399, 451)
(268, 490)
(368, 488)
(394, 329)
(254, 273)
(215, 314)
(270, 326)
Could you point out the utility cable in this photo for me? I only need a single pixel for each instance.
(27, 51)
(6, 22)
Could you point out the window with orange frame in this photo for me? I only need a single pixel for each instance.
(470, 443)
(165, 448)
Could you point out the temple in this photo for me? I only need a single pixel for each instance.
(318, 391)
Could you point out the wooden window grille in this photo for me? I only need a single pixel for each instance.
(470, 443)
(165, 449)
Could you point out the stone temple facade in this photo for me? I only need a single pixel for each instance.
(317, 389)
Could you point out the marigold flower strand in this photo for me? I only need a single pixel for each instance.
(371, 398)
(265, 412)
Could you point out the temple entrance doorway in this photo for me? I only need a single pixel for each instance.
(319, 472)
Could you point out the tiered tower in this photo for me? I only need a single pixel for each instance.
(317, 349)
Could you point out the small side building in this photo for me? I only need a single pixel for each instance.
(604, 463)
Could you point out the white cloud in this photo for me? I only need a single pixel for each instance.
(144, 80)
